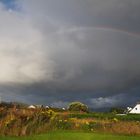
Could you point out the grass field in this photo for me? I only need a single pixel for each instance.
(128, 117)
(73, 136)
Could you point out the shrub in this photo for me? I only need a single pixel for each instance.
(78, 106)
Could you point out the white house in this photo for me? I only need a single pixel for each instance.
(31, 107)
(135, 110)
(47, 107)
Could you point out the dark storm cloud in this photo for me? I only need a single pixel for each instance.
(57, 51)
(115, 13)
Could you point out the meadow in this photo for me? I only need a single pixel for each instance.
(41, 124)
(73, 136)
(127, 117)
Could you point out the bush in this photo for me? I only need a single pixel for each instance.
(116, 110)
(78, 106)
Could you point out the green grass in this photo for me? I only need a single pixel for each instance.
(73, 136)
(128, 117)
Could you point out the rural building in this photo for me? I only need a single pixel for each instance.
(31, 107)
(47, 107)
(136, 109)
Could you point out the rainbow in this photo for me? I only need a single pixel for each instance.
(101, 28)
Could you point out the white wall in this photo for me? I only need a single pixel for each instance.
(136, 109)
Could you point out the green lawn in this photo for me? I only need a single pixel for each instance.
(73, 136)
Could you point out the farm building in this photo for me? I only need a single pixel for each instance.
(47, 107)
(31, 107)
(135, 110)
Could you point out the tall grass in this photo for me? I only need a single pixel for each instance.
(23, 122)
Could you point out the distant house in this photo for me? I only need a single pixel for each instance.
(135, 110)
(31, 107)
(47, 107)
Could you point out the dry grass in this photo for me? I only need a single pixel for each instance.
(111, 126)
(26, 121)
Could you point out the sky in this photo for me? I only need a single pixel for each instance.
(53, 52)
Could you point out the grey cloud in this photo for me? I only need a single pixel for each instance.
(96, 59)
(119, 100)
(68, 50)
(59, 104)
(107, 101)
(22, 58)
(112, 13)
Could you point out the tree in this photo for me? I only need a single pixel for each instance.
(78, 106)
